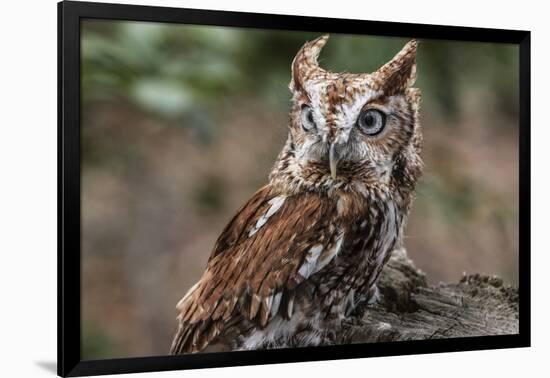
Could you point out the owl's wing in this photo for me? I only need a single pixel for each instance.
(271, 245)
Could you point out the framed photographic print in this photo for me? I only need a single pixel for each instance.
(239, 188)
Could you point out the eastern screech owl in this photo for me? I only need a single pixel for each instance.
(308, 247)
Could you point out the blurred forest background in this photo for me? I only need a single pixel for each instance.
(181, 124)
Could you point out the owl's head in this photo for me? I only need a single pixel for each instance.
(348, 126)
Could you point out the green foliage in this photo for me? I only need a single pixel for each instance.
(457, 200)
(169, 70)
(209, 195)
(96, 344)
(164, 69)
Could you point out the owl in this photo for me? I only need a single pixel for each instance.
(309, 246)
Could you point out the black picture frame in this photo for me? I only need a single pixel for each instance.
(70, 15)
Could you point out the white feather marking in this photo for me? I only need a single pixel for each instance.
(276, 204)
(276, 302)
(268, 301)
(329, 254)
(290, 307)
(340, 205)
(361, 188)
(189, 292)
(375, 296)
(308, 267)
(383, 326)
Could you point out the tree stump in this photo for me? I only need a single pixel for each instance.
(410, 309)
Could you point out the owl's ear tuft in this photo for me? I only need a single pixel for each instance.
(399, 73)
(305, 64)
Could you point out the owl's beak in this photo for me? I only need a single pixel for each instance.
(333, 158)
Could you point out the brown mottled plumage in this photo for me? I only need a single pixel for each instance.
(309, 246)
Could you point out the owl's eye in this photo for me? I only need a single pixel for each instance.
(371, 121)
(308, 123)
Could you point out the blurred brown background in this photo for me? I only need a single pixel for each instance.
(181, 124)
